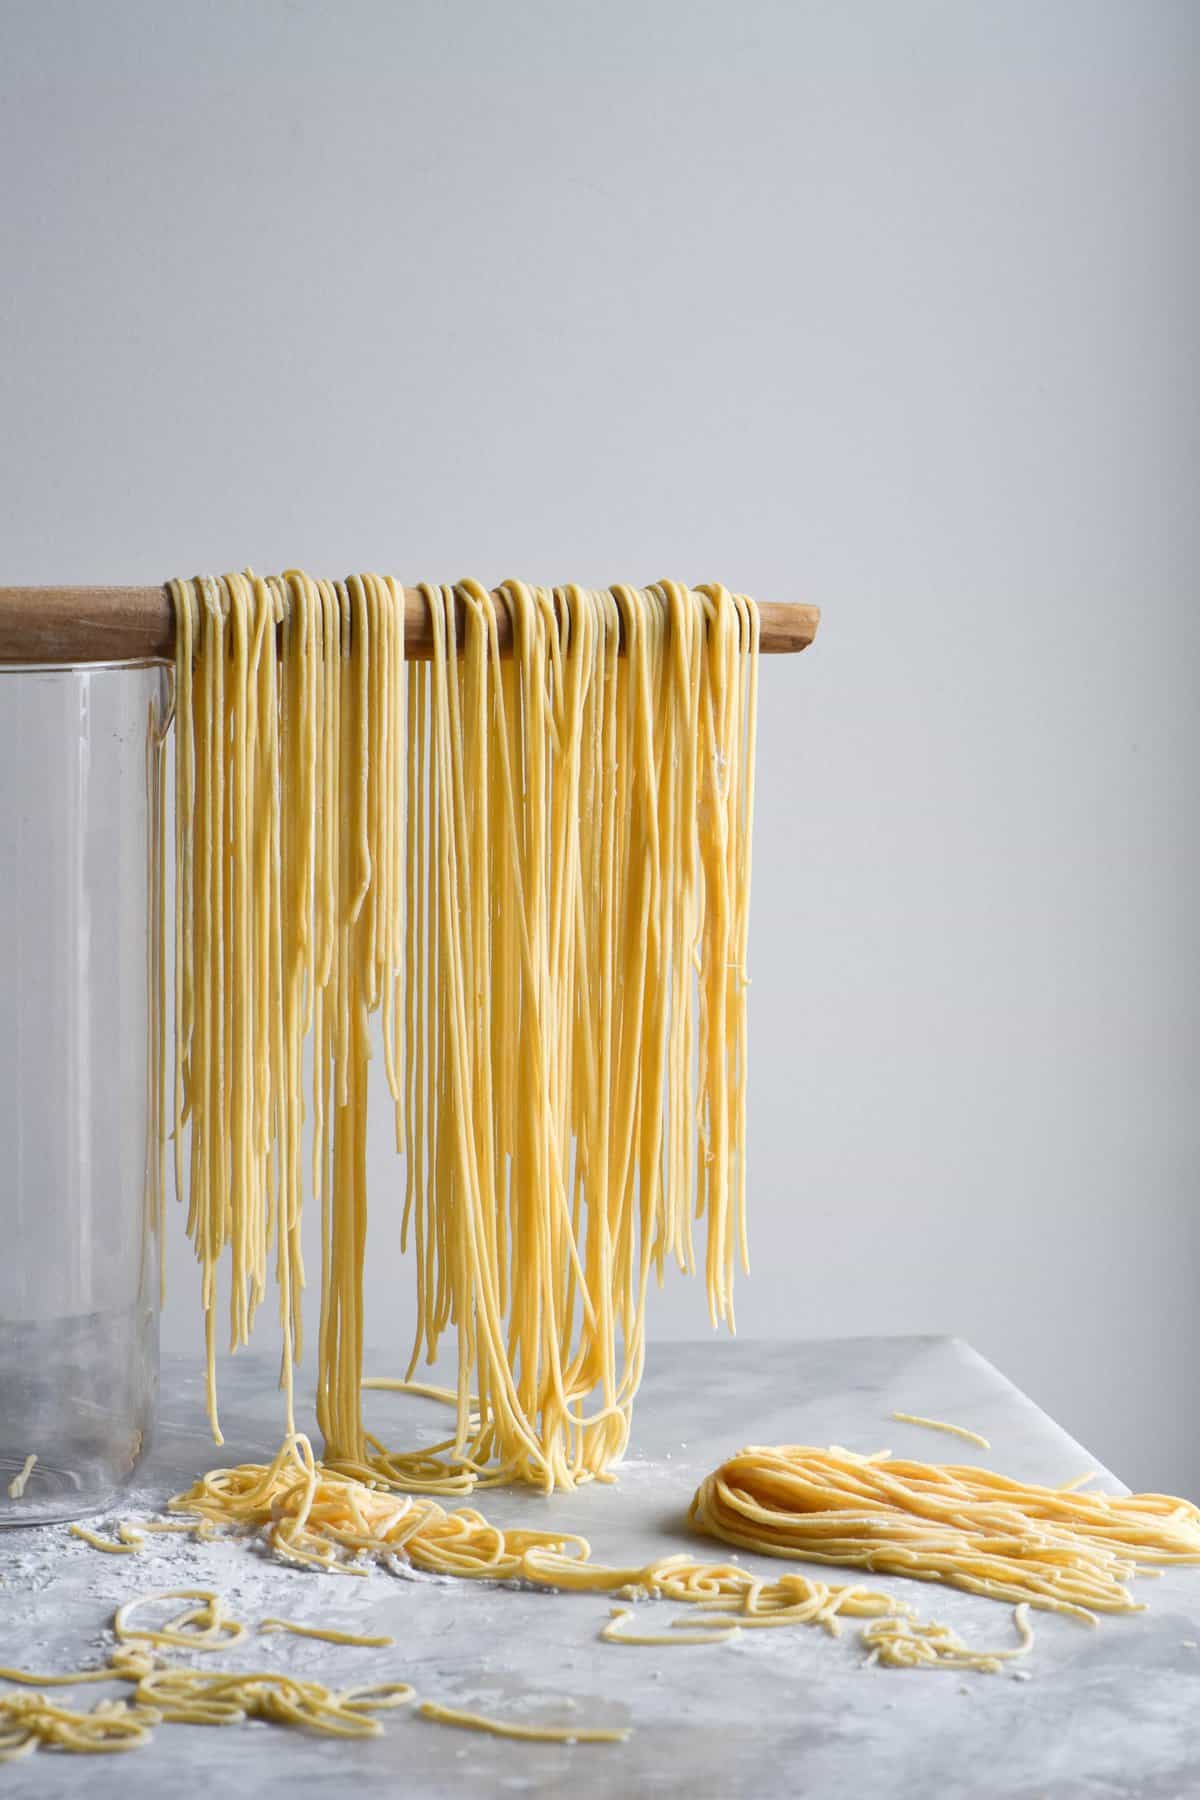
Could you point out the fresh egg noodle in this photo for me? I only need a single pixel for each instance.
(1051, 1548)
(1054, 1548)
(172, 1694)
(906, 1644)
(125, 1546)
(531, 875)
(164, 1693)
(959, 1431)
(535, 872)
(507, 1728)
(309, 1514)
(327, 1634)
(30, 1721)
(16, 1487)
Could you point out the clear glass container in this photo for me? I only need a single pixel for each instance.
(81, 783)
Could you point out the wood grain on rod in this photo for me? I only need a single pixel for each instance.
(137, 624)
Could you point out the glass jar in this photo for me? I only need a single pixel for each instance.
(81, 1031)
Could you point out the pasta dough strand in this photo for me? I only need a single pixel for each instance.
(1056, 1548)
(535, 872)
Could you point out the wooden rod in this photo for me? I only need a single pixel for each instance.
(137, 624)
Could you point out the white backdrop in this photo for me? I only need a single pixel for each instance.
(890, 307)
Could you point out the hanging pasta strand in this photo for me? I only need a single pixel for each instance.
(528, 877)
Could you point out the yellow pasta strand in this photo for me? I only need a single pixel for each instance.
(101, 1543)
(191, 1696)
(536, 873)
(124, 1664)
(612, 1633)
(959, 1431)
(202, 1627)
(904, 1644)
(198, 1697)
(327, 1634)
(16, 1487)
(1058, 1549)
(1050, 1547)
(31, 1721)
(532, 876)
(321, 1518)
(186, 1697)
(538, 1734)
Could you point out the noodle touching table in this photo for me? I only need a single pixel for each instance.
(1111, 1711)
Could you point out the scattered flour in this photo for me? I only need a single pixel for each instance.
(64, 1633)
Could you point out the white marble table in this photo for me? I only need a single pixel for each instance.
(1106, 1712)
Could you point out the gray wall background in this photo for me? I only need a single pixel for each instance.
(891, 307)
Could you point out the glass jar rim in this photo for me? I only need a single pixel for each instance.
(130, 664)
